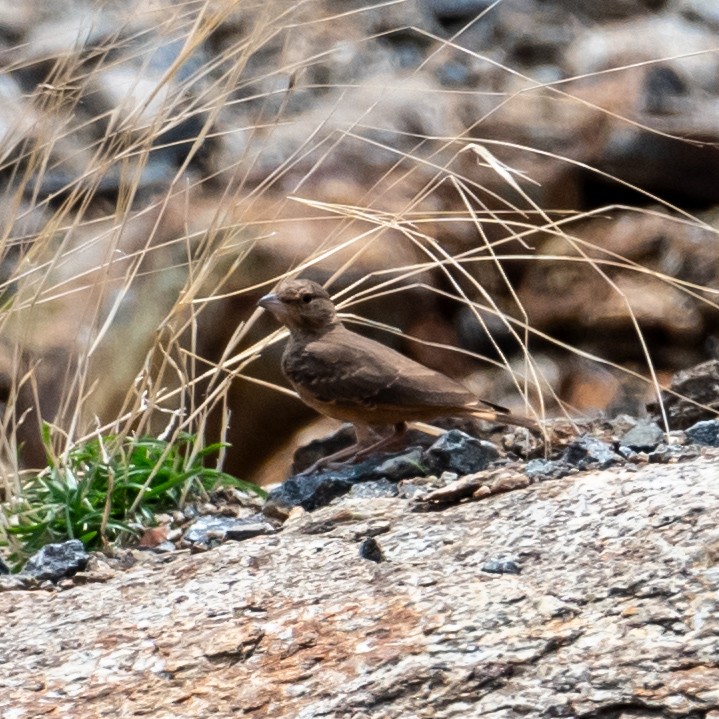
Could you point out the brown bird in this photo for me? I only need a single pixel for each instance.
(354, 379)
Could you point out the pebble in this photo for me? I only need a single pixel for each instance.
(705, 432)
(644, 436)
(55, 561)
(456, 451)
(370, 549)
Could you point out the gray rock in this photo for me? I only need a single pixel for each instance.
(309, 491)
(643, 437)
(249, 527)
(541, 469)
(501, 566)
(663, 453)
(627, 453)
(378, 488)
(402, 466)
(706, 432)
(700, 386)
(15, 582)
(309, 453)
(55, 561)
(213, 530)
(371, 550)
(457, 452)
(589, 451)
(165, 547)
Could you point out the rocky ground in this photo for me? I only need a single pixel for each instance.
(517, 590)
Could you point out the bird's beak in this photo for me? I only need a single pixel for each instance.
(270, 302)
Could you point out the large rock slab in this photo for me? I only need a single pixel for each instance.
(613, 613)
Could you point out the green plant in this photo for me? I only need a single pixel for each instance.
(104, 490)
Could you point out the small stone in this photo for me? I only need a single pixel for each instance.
(448, 477)
(457, 452)
(371, 490)
(371, 550)
(705, 432)
(543, 469)
(454, 490)
(164, 547)
(627, 453)
(643, 437)
(248, 528)
(407, 489)
(15, 582)
(55, 561)
(190, 512)
(664, 453)
(214, 530)
(308, 491)
(587, 451)
(501, 566)
(153, 537)
(402, 466)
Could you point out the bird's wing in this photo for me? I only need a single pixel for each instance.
(346, 368)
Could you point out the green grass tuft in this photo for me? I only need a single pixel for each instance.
(107, 489)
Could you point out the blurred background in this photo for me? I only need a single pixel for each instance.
(525, 190)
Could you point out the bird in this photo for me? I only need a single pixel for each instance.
(352, 378)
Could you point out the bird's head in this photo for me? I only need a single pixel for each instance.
(302, 306)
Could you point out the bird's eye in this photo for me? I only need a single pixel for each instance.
(307, 298)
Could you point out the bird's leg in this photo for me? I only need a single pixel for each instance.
(360, 448)
(396, 437)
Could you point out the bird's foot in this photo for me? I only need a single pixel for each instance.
(358, 451)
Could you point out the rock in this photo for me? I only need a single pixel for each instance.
(457, 452)
(588, 451)
(15, 582)
(626, 453)
(667, 453)
(371, 550)
(249, 527)
(455, 490)
(377, 488)
(165, 547)
(213, 530)
(308, 491)
(402, 466)
(55, 561)
(643, 437)
(503, 566)
(154, 536)
(543, 469)
(4, 569)
(690, 388)
(706, 432)
(614, 613)
(311, 491)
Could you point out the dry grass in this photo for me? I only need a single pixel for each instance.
(108, 295)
